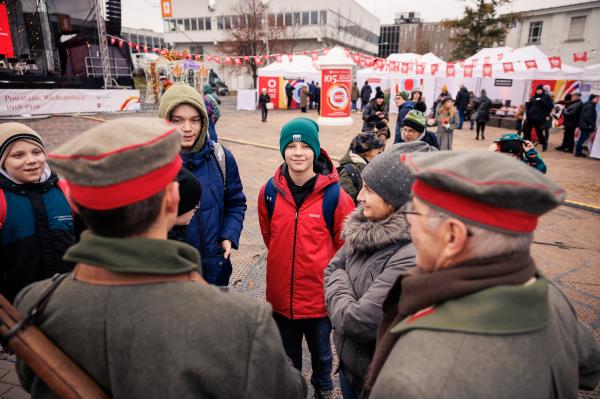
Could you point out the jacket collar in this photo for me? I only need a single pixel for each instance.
(365, 235)
(134, 255)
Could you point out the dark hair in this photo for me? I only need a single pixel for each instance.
(514, 147)
(126, 221)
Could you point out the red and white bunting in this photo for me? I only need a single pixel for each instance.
(486, 60)
(145, 49)
(450, 70)
(420, 69)
(531, 64)
(580, 57)
(468, 71)
(277, 57)
(130, 44)
(314, 55)
(290, 57)
(257, 60)
(462, 63)
(404, 67)
(555, 62)
(487, 70)
(121, 43)
(237, 61)
(474, 62)
(197, 57)
(113, 41)
(500, 56)
(325, 51)
(209, 58)
(435, 68)
(217, 59)
(266, 57)
(246, 58)
(508, 67)
(356, 58)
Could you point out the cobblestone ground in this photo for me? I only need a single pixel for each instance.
(567, 244)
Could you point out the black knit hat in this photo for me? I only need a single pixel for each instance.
(365, 142)
(189, 191)
(379, 94)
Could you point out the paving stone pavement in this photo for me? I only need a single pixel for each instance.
(567, 244)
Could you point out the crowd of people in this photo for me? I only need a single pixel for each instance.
(411, 258)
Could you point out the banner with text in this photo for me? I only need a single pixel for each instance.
(272, 84)
(335, 95)
(64, 101)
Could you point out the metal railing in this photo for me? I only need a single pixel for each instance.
(119, 67)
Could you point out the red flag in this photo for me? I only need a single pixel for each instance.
(155, 50)
(197, 57)
(508, 67)
(531, 64)
(420, 69)
(314, 55)
(450, 71)
(257, 60)
(217, 59)
(208, 58)
(290, 57)
(468, 71)
(487, 70)
(462, 63)
(404, 67)
(121, 43)
(237, 61)
(500, 56)
(130, 44)
(580, 57)
(112, 41)
(434, 68)
(266, 57)
(555, 62)
(356, 58)
(145, 49)
(474, 62)
(246, 58)
(278, 57)
(486, 60)
(325, 51)
(347, 52)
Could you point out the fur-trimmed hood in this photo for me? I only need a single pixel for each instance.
(365, 235)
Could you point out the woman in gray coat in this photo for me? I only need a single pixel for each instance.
(377, 250)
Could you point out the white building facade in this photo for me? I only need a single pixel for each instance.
(201, 25)
(560, 31)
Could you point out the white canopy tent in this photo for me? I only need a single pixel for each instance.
(301, 67)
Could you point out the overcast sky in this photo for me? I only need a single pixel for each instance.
(146, 13)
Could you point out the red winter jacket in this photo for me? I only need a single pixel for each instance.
(300, 247)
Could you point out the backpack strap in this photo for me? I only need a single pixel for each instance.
(331, 197)
(270, 195)
(353, 175)
(219, 154)
(2, 208)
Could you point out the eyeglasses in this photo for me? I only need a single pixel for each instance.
(409, 210)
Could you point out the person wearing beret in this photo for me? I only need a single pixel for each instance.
(301, 211)
(477, 319)
(376, 251)
(36, 221)
(363, 149)
(135, 314)
(216, 228)
(375, 111)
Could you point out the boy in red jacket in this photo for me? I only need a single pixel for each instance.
(301, 226)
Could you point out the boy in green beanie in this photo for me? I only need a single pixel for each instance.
(414, 127)
(301, 212)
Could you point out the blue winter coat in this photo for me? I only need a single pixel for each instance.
(221, 213)
(402, 111)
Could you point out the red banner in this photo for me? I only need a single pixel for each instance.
(6, 46)
(555, 62)
(356, 58)
(420, 69)
(468, 71)
(404, 67)
(508, 67)
(474, 62)
(272, 85)
(434, 68)
(531, 64)
(580, 57)
(500, 56)
(487, 70)
(450, 71)
(335, 96)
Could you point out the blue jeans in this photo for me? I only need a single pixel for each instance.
(583, 136)
(461, 117)
(348, 390)
(354, 105)
(317, 333)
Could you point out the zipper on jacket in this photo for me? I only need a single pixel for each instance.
(293, 261)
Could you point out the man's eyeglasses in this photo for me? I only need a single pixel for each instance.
(409, 210)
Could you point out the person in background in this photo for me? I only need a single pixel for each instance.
(404, 106)
(478, 319)
(519, 116)
(378, 91)
(365, 95)
(512, 144)
(318, 98)
(289, 93)
(304, 96)
(363, 149)
(382, 131)
(471, 107)
(376, 252)
(436, 105)
(447, 120)
(36, 221)
(190, 192)
(462, 101)
(537, 112)
(216, 227)
(587, 123)
(214, 109)
(263, 100)
(417, 96)
(311, 94)
(374, 112)
(414, 127)
(301, 227)
(354, 96)
(571, 116)
(482, 114)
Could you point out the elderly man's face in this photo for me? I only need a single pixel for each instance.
(426, 241)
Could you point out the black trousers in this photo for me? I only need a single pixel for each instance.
(481, 128)
(539, 130)
(264, 111)
(568, 138)
(289, 104)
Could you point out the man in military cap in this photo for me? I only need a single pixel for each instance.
(479, 320)
(135, 313)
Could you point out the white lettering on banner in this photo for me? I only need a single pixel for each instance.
(330, 78)
(60, 101)
(272, 83)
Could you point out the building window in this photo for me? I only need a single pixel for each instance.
(243, 22)
(166, 25)
(305, 18)
(535, 32)
(220, 23)
(180, 25)
(194, 24)
(323, 18)
(200, 23)
(227, 22)
(577, 27)
(296, 18)
(207, 23)
(288, 19)
(280, 19)
(235, 22)
(272, 19)
(186, 24)
(314, 17)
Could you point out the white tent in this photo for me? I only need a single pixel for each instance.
(591, 73)
(301, 67)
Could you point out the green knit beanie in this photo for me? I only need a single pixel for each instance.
(416, 120)
(301, 129)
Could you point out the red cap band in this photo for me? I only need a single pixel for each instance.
(489, 215)
(127, 192)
